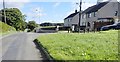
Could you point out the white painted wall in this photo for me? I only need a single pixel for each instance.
(75, 19)
(68, 22)
(108, 10)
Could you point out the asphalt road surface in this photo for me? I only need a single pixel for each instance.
(20, 46)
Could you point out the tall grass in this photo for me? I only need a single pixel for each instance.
(4, 28)
(88, 46)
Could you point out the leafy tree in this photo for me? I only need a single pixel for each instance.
(14, 18)
(31, 25)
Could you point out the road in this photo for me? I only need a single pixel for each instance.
(20, 46)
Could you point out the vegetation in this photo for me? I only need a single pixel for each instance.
(4, 28)
(14, 18)
(80, 46)
(31, 25)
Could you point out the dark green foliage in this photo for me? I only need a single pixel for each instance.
(31, 25)
(14, 18)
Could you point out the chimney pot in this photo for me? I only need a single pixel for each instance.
(75, 11)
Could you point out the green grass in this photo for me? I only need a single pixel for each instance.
(6, 29)
(88, 46)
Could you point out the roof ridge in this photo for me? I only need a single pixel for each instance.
(72, 15)
(94, 8)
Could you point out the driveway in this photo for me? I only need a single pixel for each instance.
(20, 46)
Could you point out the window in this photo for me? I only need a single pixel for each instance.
(95, 14)
(68, 20)
(83, 16)
(89, 15)
(116, 13)
(82, 23)
(88, 24)
(71, 19)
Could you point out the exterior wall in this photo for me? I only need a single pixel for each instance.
(72, 21)
(108, 10)
(75, 20)
(91, 20)
(83, 19)
(67, 22)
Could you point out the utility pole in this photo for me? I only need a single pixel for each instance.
(4, 11)
(80, 12)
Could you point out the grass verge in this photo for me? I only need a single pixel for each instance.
(6, 29)
(88, 46)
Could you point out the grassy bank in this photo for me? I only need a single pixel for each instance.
(88, 46)
(6, 29)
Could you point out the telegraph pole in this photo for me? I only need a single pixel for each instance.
(80, 12)
(4, 11)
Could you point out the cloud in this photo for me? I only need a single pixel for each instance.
(111, 0)
(76, 7)
(13, 3)
(15, 0)
(86, 5)
(53, 21)
(37, 9)
(56, 4)
(35, 13)
(53, 0)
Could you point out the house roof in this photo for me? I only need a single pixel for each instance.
(88, 9)
(71, 15)
(95, 8)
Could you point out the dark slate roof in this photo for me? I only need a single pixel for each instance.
(88, 9)
(72, 15)
(95, 7)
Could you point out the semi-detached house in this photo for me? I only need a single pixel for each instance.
(96, 16)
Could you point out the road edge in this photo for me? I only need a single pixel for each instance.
(40, 47)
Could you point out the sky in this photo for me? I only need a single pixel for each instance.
(53, 11)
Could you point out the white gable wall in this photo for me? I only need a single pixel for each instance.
(67, 22)
(75, 19)
(108, 10)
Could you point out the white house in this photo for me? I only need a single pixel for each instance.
(72, 19)
(104, 12)
(101, 12)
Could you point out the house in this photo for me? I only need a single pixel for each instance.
(96, 16)
(72, 19)
(101, 14)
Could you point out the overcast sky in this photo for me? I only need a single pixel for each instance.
(47, 10)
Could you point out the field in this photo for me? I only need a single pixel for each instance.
(5, 29)
(80, 46)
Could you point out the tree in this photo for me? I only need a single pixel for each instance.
(14, 18)
(31, 25)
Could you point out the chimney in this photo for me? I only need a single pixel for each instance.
(75, 11)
